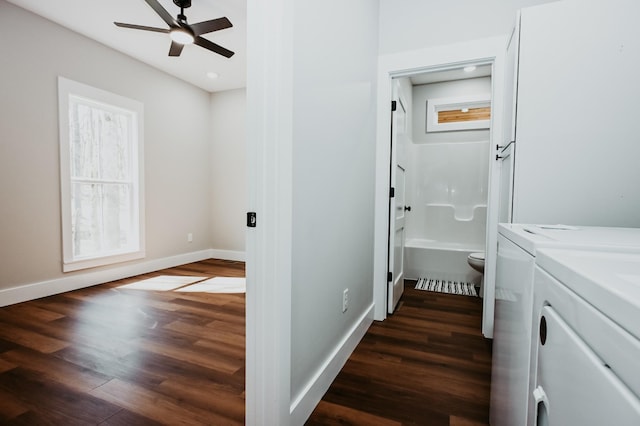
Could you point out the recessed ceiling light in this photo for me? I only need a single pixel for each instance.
(212, 75)
(470, 68)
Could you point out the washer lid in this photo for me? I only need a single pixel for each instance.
(610, 281)
(533, 237)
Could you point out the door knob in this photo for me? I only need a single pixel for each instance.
(407, 208)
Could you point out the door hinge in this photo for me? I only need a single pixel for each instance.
(394, 106)
(392, 192)
(251, 219)
(389, 276)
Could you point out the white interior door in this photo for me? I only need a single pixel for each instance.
(397, 200)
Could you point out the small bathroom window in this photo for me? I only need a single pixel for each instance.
(450, 114)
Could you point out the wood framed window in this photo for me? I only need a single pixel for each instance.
(450, 114)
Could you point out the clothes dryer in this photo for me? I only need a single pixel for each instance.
(518, 244)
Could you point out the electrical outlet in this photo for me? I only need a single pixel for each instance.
(189, 237)
(345, 300)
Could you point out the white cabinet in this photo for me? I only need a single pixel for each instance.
(506, 158)
(511, 86)
(506, 150)
(572, 113)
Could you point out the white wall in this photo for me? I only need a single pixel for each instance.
(333, 176)
(417, 24)
(177, 146)
(228, 170)
(311, 99)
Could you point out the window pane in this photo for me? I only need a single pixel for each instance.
(102, 219)
(464, 114)
(100, 141)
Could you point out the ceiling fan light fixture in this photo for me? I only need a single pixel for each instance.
(181, 35)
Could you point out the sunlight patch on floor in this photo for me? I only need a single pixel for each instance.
(162, 283)
(218, 285)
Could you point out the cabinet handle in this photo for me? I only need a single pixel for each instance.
(542, 406)
(503, 147)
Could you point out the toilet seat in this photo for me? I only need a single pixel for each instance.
(477, 256)
(476, 261)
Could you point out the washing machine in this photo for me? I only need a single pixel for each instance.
(513, 332)
(586, 354)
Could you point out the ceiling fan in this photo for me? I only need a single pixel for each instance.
(181, 32)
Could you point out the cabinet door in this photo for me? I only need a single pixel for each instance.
(511, 86)
(506, 149)
(578, 91)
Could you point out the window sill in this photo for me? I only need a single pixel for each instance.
(76, 265)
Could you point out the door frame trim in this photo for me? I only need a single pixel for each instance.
(490, 50)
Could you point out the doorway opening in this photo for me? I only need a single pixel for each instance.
(440, 158)
(447, 158)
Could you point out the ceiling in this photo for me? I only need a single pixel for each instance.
(450, 75)
(94, 19)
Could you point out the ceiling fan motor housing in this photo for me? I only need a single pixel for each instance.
(182, 3)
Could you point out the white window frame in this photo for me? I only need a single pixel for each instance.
(69, 88)
(446, 104)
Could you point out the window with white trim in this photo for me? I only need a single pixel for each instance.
(468, 113)
(101, 141)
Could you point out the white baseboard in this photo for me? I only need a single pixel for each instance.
(304, 403)
(228, 255)
(79, 280)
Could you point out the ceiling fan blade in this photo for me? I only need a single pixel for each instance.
(203, 42)
(166, 17)
(175, 49)
(141, 27)
(211, 26)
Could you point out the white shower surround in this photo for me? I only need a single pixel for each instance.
(447, 191)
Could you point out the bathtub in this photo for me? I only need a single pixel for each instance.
(440, 260)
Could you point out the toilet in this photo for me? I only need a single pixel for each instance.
(476, 261)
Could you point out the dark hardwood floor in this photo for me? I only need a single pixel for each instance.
(117, 356)
(427, 364)
(114, 356)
